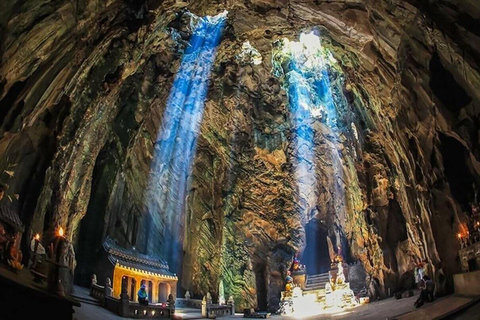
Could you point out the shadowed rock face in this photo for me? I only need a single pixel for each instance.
(83, 87)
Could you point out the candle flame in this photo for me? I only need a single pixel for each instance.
(37, 237)
(60, 232)
(459, 236)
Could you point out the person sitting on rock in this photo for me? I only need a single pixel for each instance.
(142, 295)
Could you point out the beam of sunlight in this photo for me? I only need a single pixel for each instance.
(305, 66)
(177, 137)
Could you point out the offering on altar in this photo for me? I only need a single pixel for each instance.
(289, 280)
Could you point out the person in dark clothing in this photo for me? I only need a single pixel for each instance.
(427, 287)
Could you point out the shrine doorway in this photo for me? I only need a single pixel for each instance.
(163, 292)
(149, 286)
(133, 293)
(315, 256)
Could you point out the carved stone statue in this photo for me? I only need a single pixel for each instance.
(340, 276)
(171, 302)
(221, 294)
(108, 288)
(187, 295)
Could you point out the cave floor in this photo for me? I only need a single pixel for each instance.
(390, 309)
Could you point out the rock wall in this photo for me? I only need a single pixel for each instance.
(83, 88)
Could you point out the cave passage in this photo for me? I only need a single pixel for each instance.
(315, 256)
(175, 147)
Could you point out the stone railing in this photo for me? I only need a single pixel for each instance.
(212, 311)
(97, 292)
(125, 308)
(136, 310)
(188, 303)
(128, 309)
(215, 310)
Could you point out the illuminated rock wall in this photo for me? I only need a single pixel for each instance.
(83, 88)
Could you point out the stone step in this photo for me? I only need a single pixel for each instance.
(317, 280)
(316, 291)
(84, 299)
(320, 275)
(316, 284)
(314, 288)
(320, 283)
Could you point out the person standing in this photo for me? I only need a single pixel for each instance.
(419, 273)
(142, 295)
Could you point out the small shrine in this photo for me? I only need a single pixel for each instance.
(469, 241)
(11, 230)
(132, 269)
(337, 289)
(307, 295)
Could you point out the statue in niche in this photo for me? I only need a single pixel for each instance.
(296, 262)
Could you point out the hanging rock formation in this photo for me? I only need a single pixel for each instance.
(83, 87)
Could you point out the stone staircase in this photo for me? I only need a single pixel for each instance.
(89, 300)
(82, 294)
(315, 285)
(316, 281)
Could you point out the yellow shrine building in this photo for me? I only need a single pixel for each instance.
(134, 269)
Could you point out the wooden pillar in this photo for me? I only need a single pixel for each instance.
(155, 292)
(129, 288)
(173, 288)
(137, 287)
(117, 283)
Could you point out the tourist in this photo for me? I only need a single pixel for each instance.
(142, 295)
(419, 273)
(427, 268)
(427, 287)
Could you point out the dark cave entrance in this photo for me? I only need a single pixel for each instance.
(446, 88)
(91, 232)
(456, 164)
(315, 256)
(261, 283)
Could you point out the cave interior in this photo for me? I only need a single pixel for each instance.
(230, 138)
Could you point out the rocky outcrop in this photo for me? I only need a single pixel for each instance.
(83, 88)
